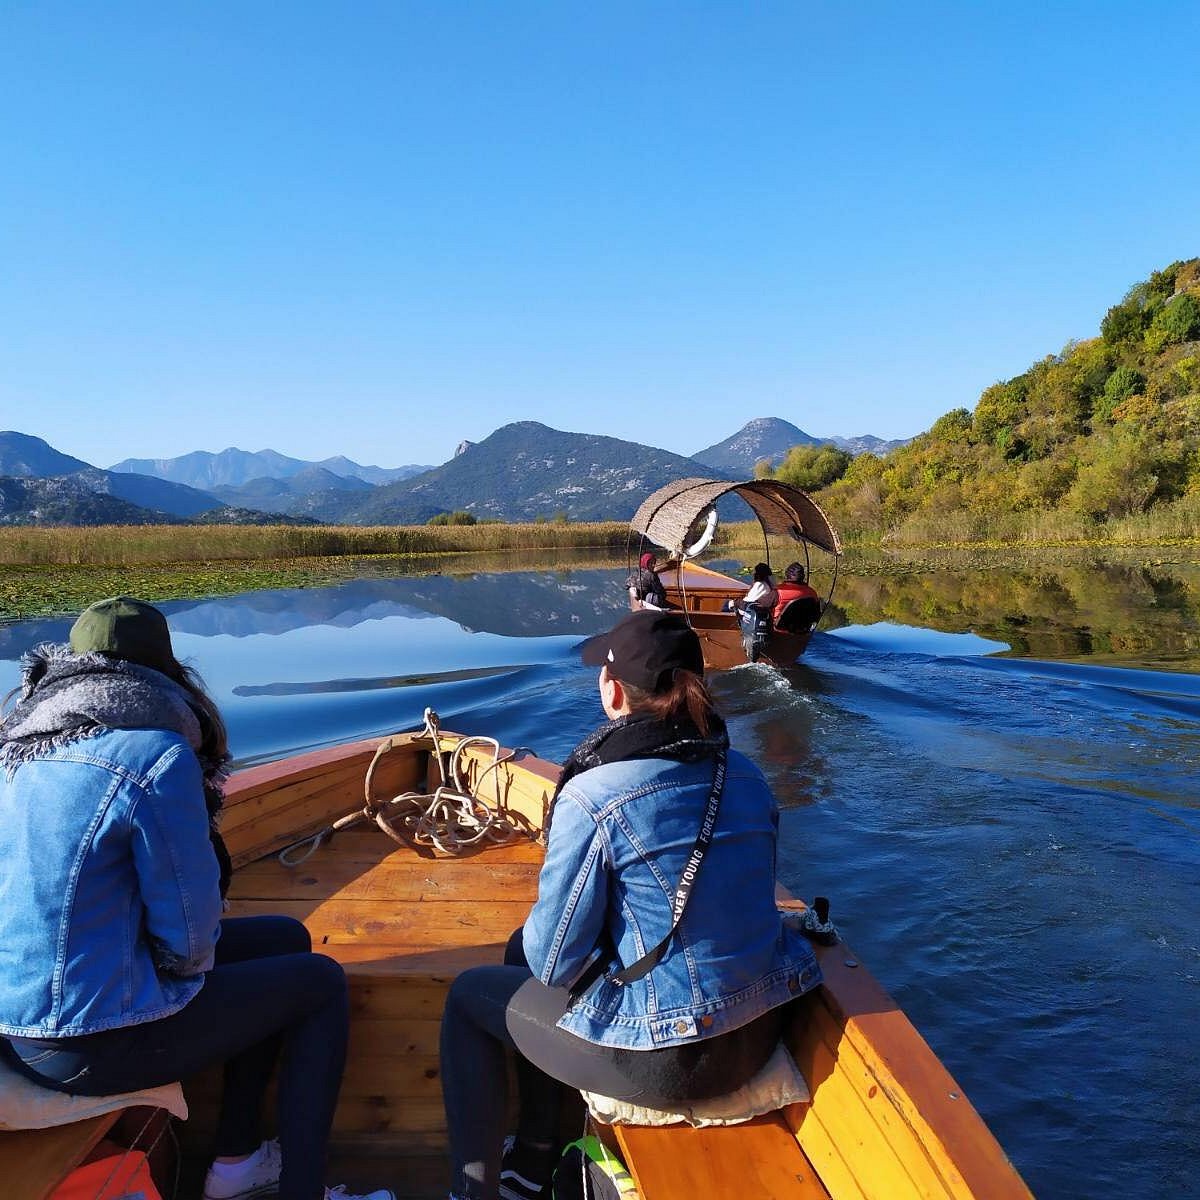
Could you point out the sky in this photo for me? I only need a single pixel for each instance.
(378, 228)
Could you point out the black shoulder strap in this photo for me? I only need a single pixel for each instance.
(683, 890)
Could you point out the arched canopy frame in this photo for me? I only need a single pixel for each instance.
(666, 516)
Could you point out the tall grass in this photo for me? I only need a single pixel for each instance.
(1163, 525)
(142, 545)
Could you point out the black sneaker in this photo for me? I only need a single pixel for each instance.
(525, 1171)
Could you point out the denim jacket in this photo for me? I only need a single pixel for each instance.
(109, 904)
(620, 836)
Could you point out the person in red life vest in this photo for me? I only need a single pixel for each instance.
(792, 587)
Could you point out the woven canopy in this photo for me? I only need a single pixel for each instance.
(666, 516)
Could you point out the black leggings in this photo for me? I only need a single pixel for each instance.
(266, 992)
(491, 1009)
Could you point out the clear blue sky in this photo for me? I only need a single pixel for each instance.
(379, 228)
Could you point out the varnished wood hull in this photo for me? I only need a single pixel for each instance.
(703, 594)
(886, 1122)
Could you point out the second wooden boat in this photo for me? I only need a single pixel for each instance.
(681, 518)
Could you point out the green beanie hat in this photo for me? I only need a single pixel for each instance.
(127, 628)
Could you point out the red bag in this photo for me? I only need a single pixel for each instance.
(119, 1174)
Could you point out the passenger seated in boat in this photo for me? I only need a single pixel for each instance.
(762, 593)
(645, 587)
(117, 972)
(659, 874)
(754, 611)
(788, 615)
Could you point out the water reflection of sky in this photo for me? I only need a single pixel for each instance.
(909, 639)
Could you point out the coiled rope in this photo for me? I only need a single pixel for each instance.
(448, 821)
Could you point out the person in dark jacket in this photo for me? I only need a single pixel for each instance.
(645, 586)
(610, 986)
(117, 972)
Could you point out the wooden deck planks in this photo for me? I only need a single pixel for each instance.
(356, 896)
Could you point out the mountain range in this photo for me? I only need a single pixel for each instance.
(521, 472)
(234, 468)
(23, 456)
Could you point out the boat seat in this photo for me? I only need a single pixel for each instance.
(799, 616)
(34, 1161)
(46, 1134)
(757, 1160)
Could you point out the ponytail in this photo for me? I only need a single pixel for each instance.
(688, 695)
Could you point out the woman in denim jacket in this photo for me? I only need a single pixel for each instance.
(602, 990)
(116, 970)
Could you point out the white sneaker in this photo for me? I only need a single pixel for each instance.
(340, 1193)
(260, 1177)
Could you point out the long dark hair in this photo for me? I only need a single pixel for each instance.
(214, 737)
(687, 695)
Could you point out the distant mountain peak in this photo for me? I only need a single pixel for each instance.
(770, 438)
(29, 457)
(763, 437)
(526, 470)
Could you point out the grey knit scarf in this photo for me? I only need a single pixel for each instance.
(65, 697)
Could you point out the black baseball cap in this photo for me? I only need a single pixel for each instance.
(645, 649)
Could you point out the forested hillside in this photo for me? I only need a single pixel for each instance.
(1087, 441)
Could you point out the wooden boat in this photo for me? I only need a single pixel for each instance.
(682, 517)
(886, 1120)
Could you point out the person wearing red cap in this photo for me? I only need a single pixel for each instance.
(645, 587)
(654, 966)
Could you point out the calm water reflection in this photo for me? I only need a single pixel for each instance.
(1012, 843)
(1140, 615)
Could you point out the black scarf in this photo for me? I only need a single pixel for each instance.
(634, 736)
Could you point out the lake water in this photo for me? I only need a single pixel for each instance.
(1011, 843)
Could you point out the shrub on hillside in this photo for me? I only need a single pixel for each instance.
(459, 517)
(1122, 383)
(1177, 321)
(1123, 323)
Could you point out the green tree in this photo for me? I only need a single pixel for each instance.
(954, 426)
(1177, 321)
(1123, 323)
(459, 517)
(813, 467)
(999, 410)
(1122, 383)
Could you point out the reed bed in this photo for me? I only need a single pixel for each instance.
(145, 545)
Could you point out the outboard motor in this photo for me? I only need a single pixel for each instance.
(756, 629)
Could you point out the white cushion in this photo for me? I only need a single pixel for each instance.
(778, 1084)
(24, 1105)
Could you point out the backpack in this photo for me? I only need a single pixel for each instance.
(588, 1170)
